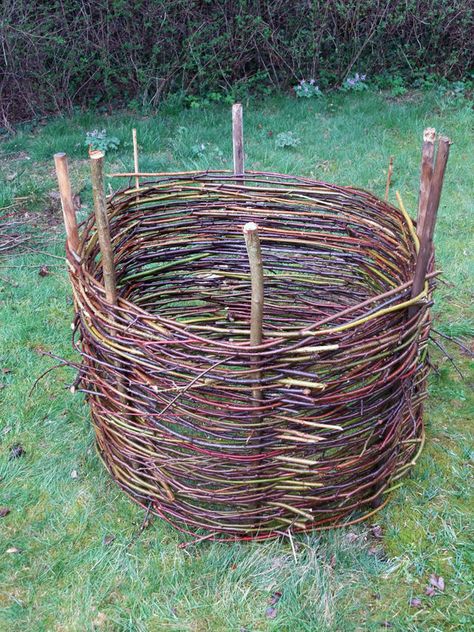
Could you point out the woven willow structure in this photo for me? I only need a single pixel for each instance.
(244, 441)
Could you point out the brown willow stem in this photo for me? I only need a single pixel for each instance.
(389, 177)
(426, 240)
(238, 139)
(427, 159)
(67, 205)
(102, 223)
(254, 252)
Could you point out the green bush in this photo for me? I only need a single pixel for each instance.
(57, 54)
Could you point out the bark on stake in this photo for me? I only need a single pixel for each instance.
(426, 240)
(105, 244)
(252, 241)
(426, 174)
(102, 222)
(67, 205)
(238, 139)
(135, 157)
(389, 177)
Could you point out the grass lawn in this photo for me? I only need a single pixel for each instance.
(73, 551)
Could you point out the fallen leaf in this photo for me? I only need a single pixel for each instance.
(271, 612)
(415, 602)
(377, 532)
(437, 582)
(13, 549)
(16, 451)
(74, 474)
(351, 537)
(275, 598)
(108, 539)
(4, 511)
(43, 271)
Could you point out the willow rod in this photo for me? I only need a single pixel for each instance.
(254, 253)
(426, 174)
(103, 231)
(426, 240)
(135, 157)
(389, 178)
(67, 204)
(238, 139)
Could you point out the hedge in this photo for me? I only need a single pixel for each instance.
(60, 53)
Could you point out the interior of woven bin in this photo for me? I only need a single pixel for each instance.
(323, 251)
(333, 258)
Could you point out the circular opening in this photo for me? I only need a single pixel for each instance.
(182, 256)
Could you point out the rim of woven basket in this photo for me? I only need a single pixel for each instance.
(219, 176)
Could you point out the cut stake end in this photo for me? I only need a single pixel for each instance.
(429, 135)
(96, 154)
(250, 227)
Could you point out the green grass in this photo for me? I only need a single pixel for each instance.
(64, 577)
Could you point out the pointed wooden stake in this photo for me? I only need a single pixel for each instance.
(102, 222)
(135, 157)
(426, 173)
(238, 139)
(67, 205)
(426, 240)
(252, 241)
(389, 177)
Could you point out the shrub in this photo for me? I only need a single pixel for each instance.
(98, 139)
(285, 140)
(58, 54)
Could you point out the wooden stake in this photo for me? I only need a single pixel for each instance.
(426, 239)
(389, 177)
(427, 159)
(135, 157)
(67, 205)
(252, 241)
(238, 139)
(102, 222)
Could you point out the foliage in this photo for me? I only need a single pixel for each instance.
(357, 83)
(395, 83)
(98, 139)
(110, 52)
(287, 139)
(307, 89)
